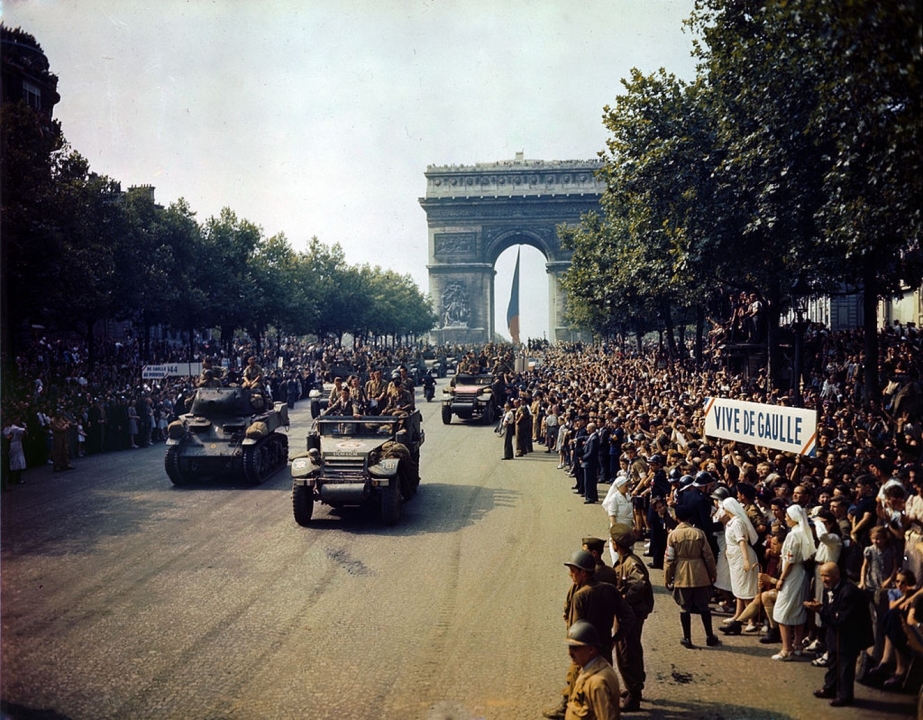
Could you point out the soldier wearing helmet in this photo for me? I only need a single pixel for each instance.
(399, 399)
(603, 607)
(596, 688)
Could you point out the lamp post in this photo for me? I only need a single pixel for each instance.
(800, 292)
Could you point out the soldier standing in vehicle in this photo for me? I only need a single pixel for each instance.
(337, 389)
(208, 380)
(376, 391)
(253, 375)
(407, 381)
(399, 399)
(344, 405)
(357, 393)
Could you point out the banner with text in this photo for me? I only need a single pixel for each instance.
(158, 372)
(772, 426)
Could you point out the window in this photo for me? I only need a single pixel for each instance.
(32, 95)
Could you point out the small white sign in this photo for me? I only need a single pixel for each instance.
(158, 372)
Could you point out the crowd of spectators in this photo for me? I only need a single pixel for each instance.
(861, 493)
(58, 406)
(643, 415)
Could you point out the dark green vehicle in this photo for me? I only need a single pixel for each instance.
(228, 431)
(370, 460)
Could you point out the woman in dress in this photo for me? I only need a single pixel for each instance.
(739, 536)
(132, 424)
(789, 611)
(14, 432)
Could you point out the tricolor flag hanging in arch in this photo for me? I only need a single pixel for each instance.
(512, 310)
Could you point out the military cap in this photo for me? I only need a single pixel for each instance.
(622, 535)
(594, 543)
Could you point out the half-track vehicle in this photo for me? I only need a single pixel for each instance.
(352, 461)
(227, 431)
(471, 397)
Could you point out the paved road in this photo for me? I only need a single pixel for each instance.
(124, 597)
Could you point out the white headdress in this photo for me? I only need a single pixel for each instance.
(797, 513)
(736, 509)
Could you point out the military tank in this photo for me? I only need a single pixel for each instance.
(227, 431)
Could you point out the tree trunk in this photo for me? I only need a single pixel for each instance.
(146, 337)
(773, 354)
(668, 321)
(699, 333)
(91, 344)
(870, 320)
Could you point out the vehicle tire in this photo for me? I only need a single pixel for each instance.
(253, 464)
(409, 478)
(490, 415)
(391, 503)
(315, 409)
(171, 465)
(302, 504)
(446, 415)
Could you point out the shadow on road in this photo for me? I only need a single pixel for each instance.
(437, 508)
(15, 711)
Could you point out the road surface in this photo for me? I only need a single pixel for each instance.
(125, 597)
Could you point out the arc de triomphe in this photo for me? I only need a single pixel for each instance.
(475, 212)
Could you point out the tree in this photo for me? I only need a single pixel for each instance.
(233, 299)
(869, 111)
(28, 160)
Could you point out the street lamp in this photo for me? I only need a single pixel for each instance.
(800, 292)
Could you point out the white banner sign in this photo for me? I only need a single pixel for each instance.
(158, 372)
(772, 426)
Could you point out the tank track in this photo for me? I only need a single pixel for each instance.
(262, 460)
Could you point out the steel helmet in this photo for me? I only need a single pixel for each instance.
(720, 493)
(582, 634)
(702, 479)
(675, 474)
(583, 560)
(685, 481)
(656, 458)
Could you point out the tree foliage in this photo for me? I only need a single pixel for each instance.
(795, 151)
(76, 249)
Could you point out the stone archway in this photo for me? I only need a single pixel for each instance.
(475, 212)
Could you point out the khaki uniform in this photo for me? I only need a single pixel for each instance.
(251, 373)
(595, 695)
(374, 391)
(399, 401)
(689, 560)
(537, 417)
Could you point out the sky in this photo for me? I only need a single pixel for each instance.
(319, 118)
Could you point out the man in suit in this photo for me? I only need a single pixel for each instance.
(846, 615)
(589, 461)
